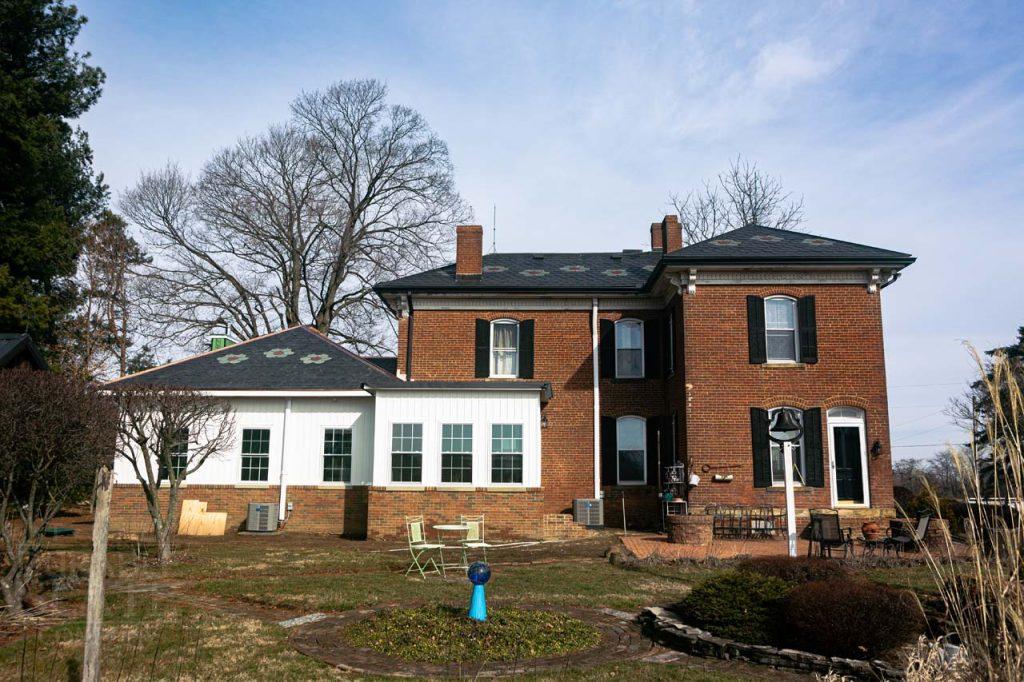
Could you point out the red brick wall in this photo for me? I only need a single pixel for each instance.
(507, 513)
(723, 386)
(337, 511)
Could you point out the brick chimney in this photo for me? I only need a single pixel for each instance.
(469, 250)
(673, 232)
(657, 237)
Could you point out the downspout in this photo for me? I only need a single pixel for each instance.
(408, 339)
(595, 339)
(282, 485)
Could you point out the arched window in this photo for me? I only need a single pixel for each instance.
(780, 320)
(778, 461)
(629, 349)
(631, 433)
(504, 348)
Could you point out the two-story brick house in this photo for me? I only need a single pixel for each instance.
(526, 381)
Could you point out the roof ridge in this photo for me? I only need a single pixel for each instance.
(805, 234)
(199, 355)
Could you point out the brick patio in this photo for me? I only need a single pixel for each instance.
(645, 546)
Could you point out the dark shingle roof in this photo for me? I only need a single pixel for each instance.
(388, 364)
(298, 358)
(14, 346)
(626, 272)
(632, 271)
(757, 244)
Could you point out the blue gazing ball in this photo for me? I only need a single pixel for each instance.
(479, 573)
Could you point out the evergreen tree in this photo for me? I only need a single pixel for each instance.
(47, 185)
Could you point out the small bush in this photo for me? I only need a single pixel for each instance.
(736, 605)
(796, 570)
(852, 619)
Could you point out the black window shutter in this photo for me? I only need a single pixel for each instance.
(483, 349)
(609, 452)
(814, 473)
(652, 348)
(669, 333)
(755, 330)
(607, 348)
(761, 447)
(654, 425)
(807, 319)
(526, 349)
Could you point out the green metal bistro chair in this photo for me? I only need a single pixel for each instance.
(419, 548)
(474, 535)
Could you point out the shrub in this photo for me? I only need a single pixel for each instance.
(796, 570)
(736, 605)
(849, 618)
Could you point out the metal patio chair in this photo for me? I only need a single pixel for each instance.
(826, 532)
(900, 539)
(475, 538)
(419, 548)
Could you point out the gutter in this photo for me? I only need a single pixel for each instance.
(595, 361)
(282, 501)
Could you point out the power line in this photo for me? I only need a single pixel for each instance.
(917, 419)
(952, 383)
(923, 445)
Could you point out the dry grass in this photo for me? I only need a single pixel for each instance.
(983, 594)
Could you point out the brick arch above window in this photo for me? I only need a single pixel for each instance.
(846, 401)
(782, 400)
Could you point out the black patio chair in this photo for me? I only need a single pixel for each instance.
(901, 538)
(825, 531)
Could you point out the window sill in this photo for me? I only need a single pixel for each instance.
(796, 489)
(455, 487)
(328, 485)
(407, 488)
(252, 486)
(783, 363)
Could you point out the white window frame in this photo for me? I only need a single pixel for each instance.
(618, 459)
(835, 417)
(492, 349)
(351, 455)
(801, 464)
(441, 453)
(392, 451)
(795, 330)
(270, 451)
(643, 359)
(491, 483)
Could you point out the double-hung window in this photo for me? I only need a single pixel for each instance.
(782, 339)
(629, 349)
(631, 434)
(456, 453)
(176, 448)
(406, 453)
(506, 453)
(778, 459)
(504, 348)
(255, 454)
(338, 455)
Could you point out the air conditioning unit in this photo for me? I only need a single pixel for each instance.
(588, 512)
(262, 517)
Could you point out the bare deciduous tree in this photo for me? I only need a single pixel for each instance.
(55, 433)
(743, 195)
(167, 434)
(296, 225)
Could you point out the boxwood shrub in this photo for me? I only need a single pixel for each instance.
(736, 605)
(796, 570)
(848, 618)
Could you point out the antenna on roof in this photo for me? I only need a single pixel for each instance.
(494, 229)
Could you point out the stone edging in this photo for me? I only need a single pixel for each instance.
(620, 640)
(663, 625)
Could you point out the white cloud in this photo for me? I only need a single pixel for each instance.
(791, 64)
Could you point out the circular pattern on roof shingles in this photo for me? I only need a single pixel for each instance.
(615, 272)
(278, 353)
(494, 268)
(574, 268)
(725, 242)
(817, 241)
(766, 238)
(533, 273)
(649, 268)
(315, 358)
(232, 358)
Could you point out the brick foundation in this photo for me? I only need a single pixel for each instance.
(334, 511)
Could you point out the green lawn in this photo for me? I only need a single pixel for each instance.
(213, 614)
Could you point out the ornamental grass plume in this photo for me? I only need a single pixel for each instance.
(982, 588)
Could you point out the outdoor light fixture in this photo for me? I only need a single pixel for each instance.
(785, 429)
(876, 449)
(544, 421)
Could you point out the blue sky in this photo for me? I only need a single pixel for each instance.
(901, 125)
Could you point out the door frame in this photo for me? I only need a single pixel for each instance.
(858, 423)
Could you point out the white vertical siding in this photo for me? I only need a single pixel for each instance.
(479, 408)
(303, 451)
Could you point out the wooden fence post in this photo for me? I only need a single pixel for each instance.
(97, 572)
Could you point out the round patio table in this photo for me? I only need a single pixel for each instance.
(450, 529)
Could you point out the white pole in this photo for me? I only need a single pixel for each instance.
(787, 459)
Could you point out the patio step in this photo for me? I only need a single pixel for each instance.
(562, 527)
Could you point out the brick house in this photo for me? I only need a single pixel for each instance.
(523, 382)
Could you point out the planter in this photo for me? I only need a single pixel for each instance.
(871, 530)
(693, 529)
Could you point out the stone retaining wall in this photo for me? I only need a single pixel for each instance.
(663, 625)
